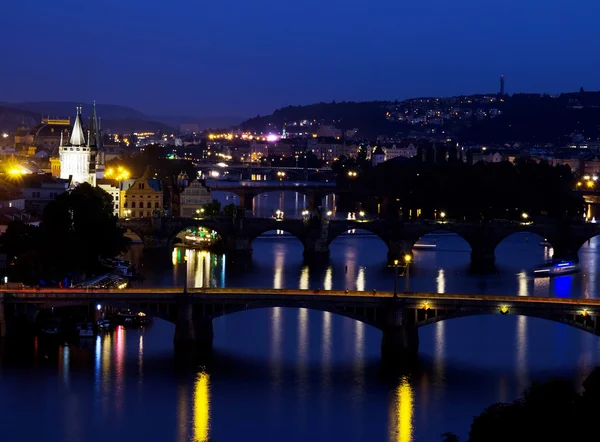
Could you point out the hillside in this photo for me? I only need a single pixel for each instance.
(11, 118)
(483, 118)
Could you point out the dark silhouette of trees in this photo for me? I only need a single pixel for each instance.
(77, 230)
(471, 192)
(551, 411)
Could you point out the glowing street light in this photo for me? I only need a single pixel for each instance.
(305, 213)
(352, 174)
(361, 214)
(524, 216)
(442, 215)
(329, 213)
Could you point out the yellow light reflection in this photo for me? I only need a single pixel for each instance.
(360, 279)
(441, 281)
(202, 408)
(327, 283)
(279, 264)
(304, 278)
(404, 403)
(522, 284)
(522, 353)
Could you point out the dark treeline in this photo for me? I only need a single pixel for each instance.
(77, 229)
(482, 191)
(547, 412)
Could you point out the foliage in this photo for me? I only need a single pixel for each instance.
(474, 192)
(551, 411)
(212, 209)
(449, 437)
(77, 229)
(229, 210)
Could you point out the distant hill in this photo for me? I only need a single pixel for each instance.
(63, 109)
(202, 122)
(115, 118)
(11, 118)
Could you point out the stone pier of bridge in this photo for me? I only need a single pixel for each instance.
(400, 339)
(193, 332)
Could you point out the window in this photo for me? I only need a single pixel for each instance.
(141, 214)
(156, 205)
(125, 205)
(141, 186)
(116, 207)
(149, 205)
(133, 204)
(149, 214)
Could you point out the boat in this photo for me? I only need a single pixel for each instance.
(557, 269)
(120, 267)
(51, 327)
(104, 324)
(85, 329)
(135, 319)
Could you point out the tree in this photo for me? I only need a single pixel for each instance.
(212, 209)
(19, 243)
(78, 228)
(449, 437)
(229, 210)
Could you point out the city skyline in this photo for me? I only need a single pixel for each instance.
(246, 59)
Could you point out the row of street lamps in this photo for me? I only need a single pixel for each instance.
(406, 266)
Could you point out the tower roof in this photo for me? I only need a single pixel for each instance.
(77, 137)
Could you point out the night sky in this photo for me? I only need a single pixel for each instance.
(244, 57)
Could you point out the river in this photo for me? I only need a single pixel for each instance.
(296, 374)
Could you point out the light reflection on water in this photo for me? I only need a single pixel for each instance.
(297, 374)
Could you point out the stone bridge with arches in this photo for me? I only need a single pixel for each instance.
(399, 318)
(246, 191)
(317, 232)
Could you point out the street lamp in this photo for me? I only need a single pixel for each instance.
(361, 214)
(329, 213)
(407, 261)
(524, 216)
(352, 174)
(442, 215)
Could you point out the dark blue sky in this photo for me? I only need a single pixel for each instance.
(243, 57)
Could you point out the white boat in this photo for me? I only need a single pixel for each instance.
(557, 269)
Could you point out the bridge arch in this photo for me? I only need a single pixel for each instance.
(530, 246)
(257, 233)
(365, 315)
(364, 227)
(438, 229)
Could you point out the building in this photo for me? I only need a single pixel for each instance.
(81, 161)
(45, 135)
(192, 198)
(378, 156)
(113, 188)
(40, 189)
(10, 214)
(143, 198)
(11, 197)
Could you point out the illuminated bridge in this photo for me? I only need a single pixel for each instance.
(192, 311)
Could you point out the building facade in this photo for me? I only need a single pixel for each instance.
(192, 198)
(144, 198)
(81, 161)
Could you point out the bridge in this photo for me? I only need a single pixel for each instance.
(317, 233)
(399, 318)
(315, 191)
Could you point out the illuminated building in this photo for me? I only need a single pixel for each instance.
(113, 189)
(45, 135)
(143, 198)
(192, 198)
(78, 158)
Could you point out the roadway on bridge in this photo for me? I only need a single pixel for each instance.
(161, 293)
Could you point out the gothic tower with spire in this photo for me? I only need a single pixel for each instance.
(95, 142)
(78, 158)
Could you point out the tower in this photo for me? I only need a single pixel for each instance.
(95, 141)
(502, 85)
(78, 158)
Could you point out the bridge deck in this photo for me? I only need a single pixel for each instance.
(215, 294)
